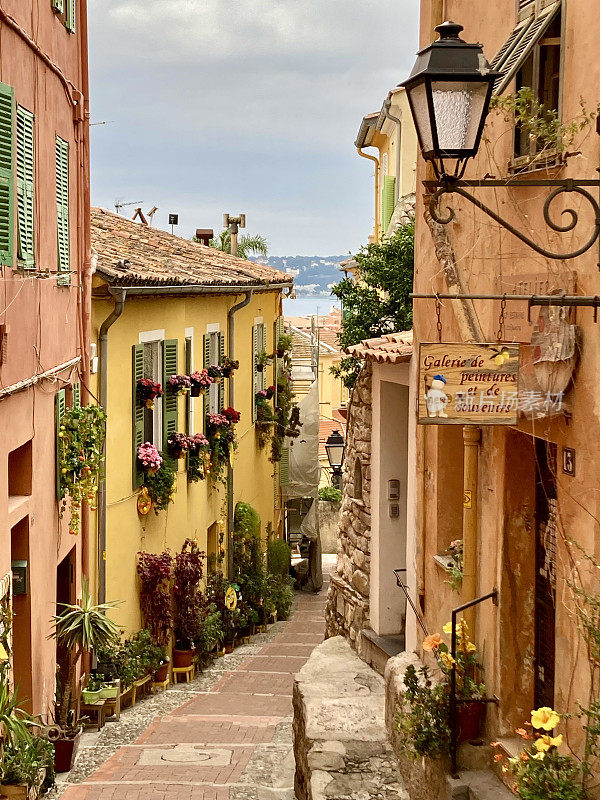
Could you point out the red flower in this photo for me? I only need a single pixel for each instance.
(231, 414)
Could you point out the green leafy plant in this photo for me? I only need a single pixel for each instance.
(263, 359)
(280, 593)
(13, 719)
(330, 493)
(220, 432)
(81, 442)
(161, 485)
(377, 301)
(155, 571)
(455, 567)
(422, 720)
(286, 412)
(80, 628)
(187, 574)
(247, 245)
(284, 343)
(467, 662)
(211, 628)
(279, 555)
(249, 572)
(23, 763)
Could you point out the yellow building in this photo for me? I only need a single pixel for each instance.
(165, 306)
(392, 132)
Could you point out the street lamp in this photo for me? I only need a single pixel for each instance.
(449, 92)
(334, 447)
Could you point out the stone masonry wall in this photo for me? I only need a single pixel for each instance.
(348, 599)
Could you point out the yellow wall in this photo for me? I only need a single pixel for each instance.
(196, 506)
(332, 393)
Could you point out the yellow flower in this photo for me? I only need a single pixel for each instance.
(447, 628)
(470, 647)
(544, 718)
(543, 743)
(447, 660)
(431, 642)
(539, 756)
(556, 741)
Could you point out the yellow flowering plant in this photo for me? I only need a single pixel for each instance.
(540, 771)
(468, 666)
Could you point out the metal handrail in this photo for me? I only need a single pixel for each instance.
(493, 595)
(404, 588)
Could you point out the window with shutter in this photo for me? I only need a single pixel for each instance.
(76, 393)
(60, 406)
(263, 348)
(284, 467)
(137, 437)
(189, 368)
(62, 210)
(7, 174)
(387, 201)
(169, 367)
(70, 16)
(206, 364)
(221, 346)
(25, 184)
(255, 372)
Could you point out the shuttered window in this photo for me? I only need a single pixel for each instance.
(214, 353)
(221, 345)
(169, 367)
(7, 175)
(25, 179)
(62, 209)
(70, 15)
(259, 377)
(137, 373)
(189, 368)
(60, 406)
(517, 48)
(284, 467)
(387, 201)
(76, 395)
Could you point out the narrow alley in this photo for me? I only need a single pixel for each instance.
(225, 736)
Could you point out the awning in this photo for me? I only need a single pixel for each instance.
(516, 49)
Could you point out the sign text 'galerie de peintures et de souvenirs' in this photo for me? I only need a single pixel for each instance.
(462, 384)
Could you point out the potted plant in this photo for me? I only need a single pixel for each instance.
(110, 689)
(454, 567)
(93, 689)
(215, 372)
(211, 628)
(200, 382)
(26, 767)
(155, 571)
(177, 444)
(422, 719)
(221, 437)
(179, 384)
(187, 574)
(161, 484)
(80, 628)
(262, 359)
(149, 457)
(148, 391)
(198, 462)
(228, 367)
(284, 343)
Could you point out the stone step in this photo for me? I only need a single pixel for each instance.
(477, 785)
(376, 650)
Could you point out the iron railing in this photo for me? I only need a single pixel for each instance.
(409, 599)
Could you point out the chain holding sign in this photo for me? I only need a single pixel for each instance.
(468, 384)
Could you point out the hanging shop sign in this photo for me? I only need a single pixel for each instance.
(519, 319)
(468, 384)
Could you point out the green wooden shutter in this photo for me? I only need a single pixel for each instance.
(7, 173)
(70, 16)
(169, 367)
(205, 364)
(284, 467)
(76, 395)
(188, 398)
(137, 438)
(25, 177)
(62, 210)
(255, 372)
(58, 6)
(263, 346)
(388, 195)
(60, 406)
(221, 359)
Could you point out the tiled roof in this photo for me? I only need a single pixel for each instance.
(160, 258)
(393, 348)
(301, 344)
(328, 426)
(328, 327)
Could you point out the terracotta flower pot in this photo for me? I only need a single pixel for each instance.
(183, 658)
(196, 391)
(160, 676)
(65, 751)
(469, 719)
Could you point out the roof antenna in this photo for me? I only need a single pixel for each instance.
(119, 206)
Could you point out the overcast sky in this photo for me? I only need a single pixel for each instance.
(245, 105)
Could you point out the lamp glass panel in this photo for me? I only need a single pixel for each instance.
(458, 108)
(335, 454)
(420, 107)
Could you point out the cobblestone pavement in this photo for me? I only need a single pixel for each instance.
(225, 736)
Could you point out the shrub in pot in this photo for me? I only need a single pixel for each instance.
(27, 766)
(93, 689)
(155, 572)
(187, 595)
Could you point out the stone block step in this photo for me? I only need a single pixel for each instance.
(477, 785)
(376, 650)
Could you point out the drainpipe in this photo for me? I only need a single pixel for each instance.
(119, 295)
(376, 160)
(386, 110)
(471, 443)
(231, 343)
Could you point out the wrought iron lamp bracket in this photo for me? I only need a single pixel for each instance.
(448, 184)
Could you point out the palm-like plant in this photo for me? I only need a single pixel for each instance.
(247, 245)
(14, 720)
(81, 627)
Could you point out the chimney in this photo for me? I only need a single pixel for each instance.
(204, 235)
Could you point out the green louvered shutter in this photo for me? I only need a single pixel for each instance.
(169, 367)
(206, 364)
(62, 210)
(137, 436)
(263, 346)
(221, 359)
(58, 6)
(188, 398)
(7, 174)
(60, 406)
(387, 201)
(76, 395)
(255, 372)
(25, 178)
(70, 16)
(284, 467)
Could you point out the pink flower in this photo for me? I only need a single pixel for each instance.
(149, 457)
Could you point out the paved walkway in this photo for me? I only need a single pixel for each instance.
(226, 736)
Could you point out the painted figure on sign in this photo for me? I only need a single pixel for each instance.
(436, 398)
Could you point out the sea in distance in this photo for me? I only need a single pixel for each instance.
(309, 305)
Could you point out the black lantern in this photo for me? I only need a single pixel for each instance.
(449, 93)
(334, 447)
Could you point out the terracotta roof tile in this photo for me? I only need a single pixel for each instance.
(393, 348)
(160, 258)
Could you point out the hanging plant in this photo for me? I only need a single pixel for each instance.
(265, 418)
(215, 372)
(228, 367)
(179, 384)
(263, 359)
(286, 412)
(81, 441)
(177, 444)
(221, 438)
(200, 382)
(149, 457)
(198, 466)
(147, 391)
(161, 485)
(155, 572)
(284, 344)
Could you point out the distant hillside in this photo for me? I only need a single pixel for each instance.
(313, 275)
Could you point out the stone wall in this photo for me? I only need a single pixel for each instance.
(348, 600)
(329, 517)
